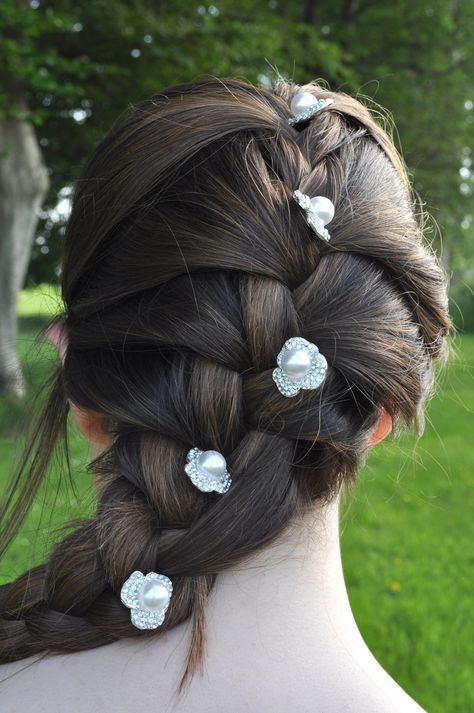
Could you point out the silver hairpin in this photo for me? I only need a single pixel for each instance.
(207, 470)
(318, 212)
(300, 366)
(148, 597)
(304, 106)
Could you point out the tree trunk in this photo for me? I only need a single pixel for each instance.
(24, 183)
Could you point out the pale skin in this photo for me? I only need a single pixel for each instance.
(281, 638)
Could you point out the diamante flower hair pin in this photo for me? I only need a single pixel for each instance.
(148, 597)
(207, 470)
(304, 106)
(318, 212)
(300, 366)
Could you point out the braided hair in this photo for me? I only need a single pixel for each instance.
(186, 267)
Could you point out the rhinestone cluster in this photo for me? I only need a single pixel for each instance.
(310, 111)
(141, 616)
(204, 480)
(316, 374)
(312, 218)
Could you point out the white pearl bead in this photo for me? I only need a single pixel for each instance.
(153, 596)
(212, 463)
(301, 102)
(296, 363)
(324, 208)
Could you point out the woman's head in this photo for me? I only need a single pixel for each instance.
(187, 265)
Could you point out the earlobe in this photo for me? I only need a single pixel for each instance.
(382, 429)
(91, 425)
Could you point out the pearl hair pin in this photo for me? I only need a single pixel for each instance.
(304, 106)
(148, 597)
(318, 212)
(207, 470)
(300, 366)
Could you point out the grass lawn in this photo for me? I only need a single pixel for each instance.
(407, 530)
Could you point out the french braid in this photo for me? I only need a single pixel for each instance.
(186, 267)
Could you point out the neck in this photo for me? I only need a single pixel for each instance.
(282, 626)
(293, 590)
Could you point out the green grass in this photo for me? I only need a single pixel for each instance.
(57, 501)
(407, 549)
(407, 530)
(40, 301)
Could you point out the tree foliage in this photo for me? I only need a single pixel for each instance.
(80, 64)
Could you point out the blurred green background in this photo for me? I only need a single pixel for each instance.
(69, 69)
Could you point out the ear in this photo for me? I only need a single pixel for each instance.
(90, 424)
(56, 333)
(382, 429)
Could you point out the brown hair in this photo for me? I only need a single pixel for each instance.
(187, 264)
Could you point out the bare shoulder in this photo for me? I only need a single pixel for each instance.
(119, 677)
(123, 676)
(366, 687)
(377, 697)
(18, 685)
